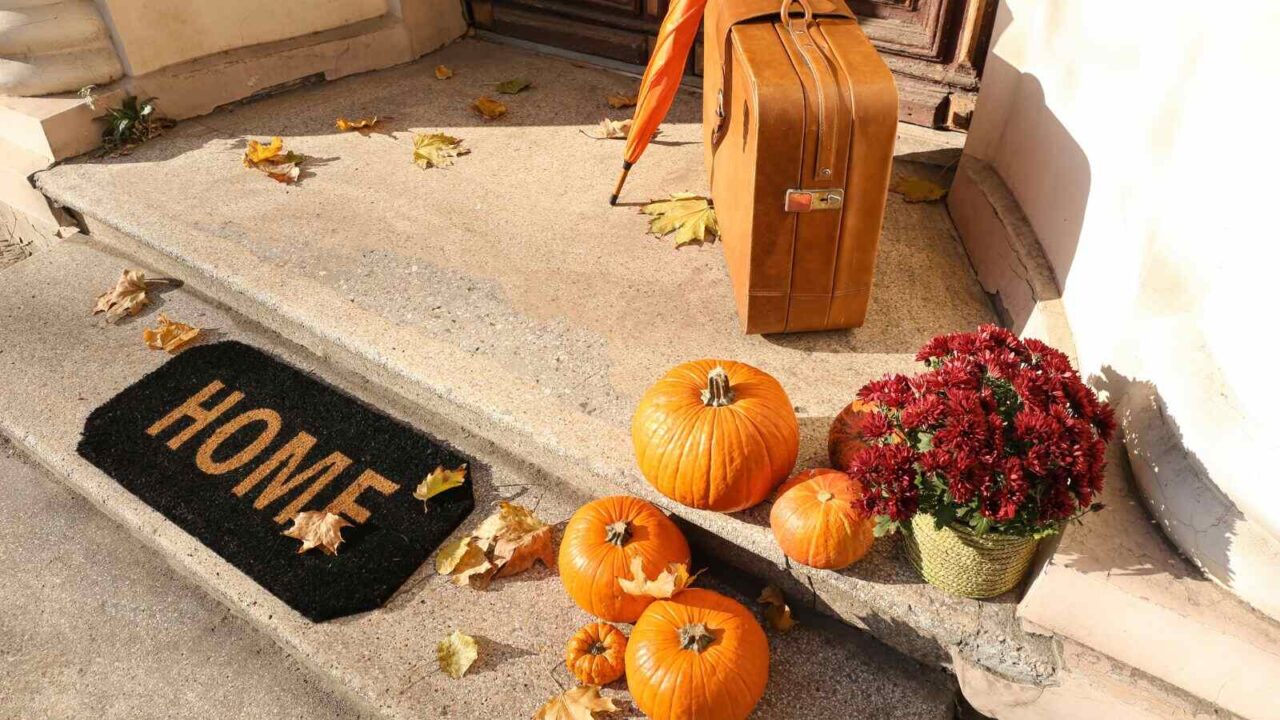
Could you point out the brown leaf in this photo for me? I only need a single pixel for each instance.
(620, 100)
(689, 216)
(668, 582)
(345, 125)
(436, 150)
(611, 130)
(168, 335)
(576, 704)
(128, 297)
(915, 189)
(443, 72)
(512, 87)
(506, 543)
(776, 610)
(318, 529)
(489, 108)
(283, 167)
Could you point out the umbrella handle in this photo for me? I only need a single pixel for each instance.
(785, 12)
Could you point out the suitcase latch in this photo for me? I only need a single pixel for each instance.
(800, 201)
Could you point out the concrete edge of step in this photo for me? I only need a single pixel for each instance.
(917, 625)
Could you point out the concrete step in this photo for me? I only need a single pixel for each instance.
(95, 625)
(505, 295)
(58, 363)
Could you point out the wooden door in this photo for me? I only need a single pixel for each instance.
(934, 47)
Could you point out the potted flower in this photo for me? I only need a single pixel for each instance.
(997, 445)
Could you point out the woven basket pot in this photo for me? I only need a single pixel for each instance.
(956, 560)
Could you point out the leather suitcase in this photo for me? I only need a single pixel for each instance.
(799, 117)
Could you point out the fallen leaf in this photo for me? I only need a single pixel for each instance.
(612, 129)
(128, 297)
(443, 72)
(511, 87)
(776, 610)
(916, 189)
(619, 100)
(489, 108)
(345, 125)
(436, 150)
(689, 216)
(456, 653)
(168, 335)
(280, 166)
(440, 480)
(506, 543)
(577, 704)
(256, 152)
(668, 582)
(318, 529)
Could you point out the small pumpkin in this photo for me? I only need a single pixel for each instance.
(698, 655)
(715, 435)
(818, 521)
(596, 654)
(844, 440)
(598, 545)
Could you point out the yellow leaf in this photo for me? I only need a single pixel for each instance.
(489, 108)
(440, 480)
(620, 100)
(915, 189)
(281, 167)
(506, 543)
(689, 216)
(611, 130)
(318, 529)
(128, 297)
(776, 610)
(345, 125)
(668, 582)
(257, 152)
(436, 150)
(511, 87)
(168, 335)
(443, 72)
(456, 653)
(577, 704)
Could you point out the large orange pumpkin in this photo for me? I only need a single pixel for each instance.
(845, 437)
(715, 435)
(817, 520)
(596, 654)
(597, 547)
(699, 655)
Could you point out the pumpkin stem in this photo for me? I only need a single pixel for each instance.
(824, 496)
(696, 637)
(617, 533)
(597, 648)
(717, 393)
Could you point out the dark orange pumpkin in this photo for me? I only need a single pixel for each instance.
(596, 654)
(597, 547)
(698, 655)
(715, 435)
(845, 437)
(817, 520)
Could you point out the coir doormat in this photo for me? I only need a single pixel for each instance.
(230, 444)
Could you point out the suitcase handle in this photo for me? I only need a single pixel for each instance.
(785, 12)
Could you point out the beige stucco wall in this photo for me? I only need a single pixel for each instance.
(1124, 132)
(151, 34)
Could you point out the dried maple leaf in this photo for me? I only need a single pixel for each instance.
(576, 704)
(440, 480)
(511, 87)
(443, 72)
(345, 125)
(456, 653)
(505, 543)
(436, 150)
(776, 610)
(915, 189)
(318, 529)
(466, 562)
(489, 108)
(611, 130)
(284, 167)
(256, 152)
(128, 297)
(620, 100)
(168, 335)
(689, 216)
(668, 582)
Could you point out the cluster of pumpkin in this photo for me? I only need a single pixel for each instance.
(714, 435)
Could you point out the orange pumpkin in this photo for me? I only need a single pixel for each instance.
(698, 655)
(596, 654)
(715, 435)
(817, 520)
(845, 438)
(597, 547)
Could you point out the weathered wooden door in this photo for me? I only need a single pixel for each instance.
(934, 47)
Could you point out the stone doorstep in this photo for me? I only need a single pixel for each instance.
(59, 359)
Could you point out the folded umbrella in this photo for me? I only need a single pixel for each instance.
(661, 80)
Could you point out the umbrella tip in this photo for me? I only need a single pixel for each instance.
(622, 178)
(613, 199)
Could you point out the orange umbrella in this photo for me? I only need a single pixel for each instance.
(661, 80)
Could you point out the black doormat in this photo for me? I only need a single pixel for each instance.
(195, 441)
